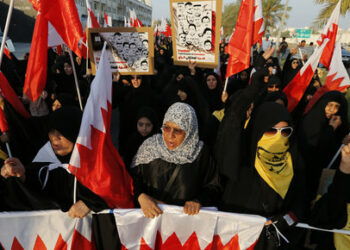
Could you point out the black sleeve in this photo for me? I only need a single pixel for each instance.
(211, 189)
(330, 211)
(137, 176)
(60, 188)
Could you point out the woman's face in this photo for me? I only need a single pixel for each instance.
(211, 82)
(60, 144)
(295, 64)
(331, 109)
(136, 81)
(182, 95)
(144, 126)
(173, 135)
(272, 88)
(243, 75)
(67, 69)
(56, 105)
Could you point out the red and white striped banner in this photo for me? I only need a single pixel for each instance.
(39, 230)
(176, 230)
(209, 229)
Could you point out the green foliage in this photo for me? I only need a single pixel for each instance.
(327, 10)
(272, 12)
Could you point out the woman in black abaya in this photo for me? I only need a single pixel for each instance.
(269, 181)
(175, 167)
(320, 135)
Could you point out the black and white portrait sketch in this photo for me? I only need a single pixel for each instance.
(128, 51)
(194, 22)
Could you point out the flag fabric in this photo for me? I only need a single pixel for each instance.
(164, 28)
(3, 122)
(175, 230)
(297, 86)
(259, 26)
(7, 53)
(95, 162)
(9, 94)
(54, 38)
(134, 21)
(337, 78)
(239, 47)
(92, 21)
(330, 32)
(49, 229)
(64, 17)
(108, 20)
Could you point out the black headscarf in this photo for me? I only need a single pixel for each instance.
(213, 96)
(274, 96)
(315, 120)
(66, 120)
(66, 99)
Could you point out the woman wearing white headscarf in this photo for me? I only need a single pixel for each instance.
(175, 167)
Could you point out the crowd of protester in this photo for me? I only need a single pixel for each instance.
(186, 142)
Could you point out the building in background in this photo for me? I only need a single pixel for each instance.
(116, 9)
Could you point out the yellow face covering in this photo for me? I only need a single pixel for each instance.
(273, 162)
(342, 241)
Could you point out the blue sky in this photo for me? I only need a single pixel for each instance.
(303, 12)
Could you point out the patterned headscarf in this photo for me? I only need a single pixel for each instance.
(184, 116)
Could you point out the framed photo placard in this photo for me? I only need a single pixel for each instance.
(196, 31)
(130, 50)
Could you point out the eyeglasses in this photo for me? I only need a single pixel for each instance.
(176, 131)
(285, 132)
(295, 62)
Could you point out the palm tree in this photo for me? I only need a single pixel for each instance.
(273, 12)
(229, 16)
(328, 9)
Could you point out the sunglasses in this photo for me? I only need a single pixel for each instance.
(176, 131)
(285, 132)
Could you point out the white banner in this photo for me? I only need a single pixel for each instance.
(176, 230)
(50, 229)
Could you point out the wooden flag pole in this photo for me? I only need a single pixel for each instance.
(75, 78)
(3, 43)
(7, 26)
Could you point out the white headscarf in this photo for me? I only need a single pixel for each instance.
(184, 116)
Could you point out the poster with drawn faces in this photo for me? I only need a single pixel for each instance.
(194, 23)
(128, 52)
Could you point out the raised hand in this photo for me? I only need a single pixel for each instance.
(345, 159)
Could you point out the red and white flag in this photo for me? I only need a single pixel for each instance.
(239, 47)
(164, 28)
(92, 21)
(64, 17)
(10, 95)
(330, 31)
(7, 53)
(297, 86)
(134, 21)
(50, 229)
(108, 20)
(174, 229)
(259, 25)
(337, 78)
(95, 161)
